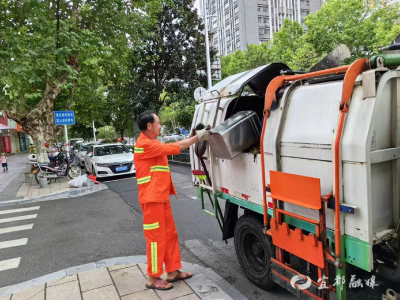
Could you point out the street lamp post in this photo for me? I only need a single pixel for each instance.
(207, 46)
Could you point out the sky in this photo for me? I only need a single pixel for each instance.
(197, 4)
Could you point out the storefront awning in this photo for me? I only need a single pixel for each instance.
(5, 127)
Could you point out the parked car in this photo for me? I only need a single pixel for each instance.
(80, 151)
(73, 142)
(109, 160)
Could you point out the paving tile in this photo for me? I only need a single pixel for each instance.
(29, 293)
(22, 193)
(66, 291)
(180, 289)
(207, 289)
(94, 279)
(189, 297)
(143, 267)
(129, 280)
(62, 280)
(143, 295)
(5, 298)
(103, 293)
(118, 267)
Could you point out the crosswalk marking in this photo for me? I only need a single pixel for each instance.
(13, 243)
(16, 228)
(17, 210)
(18, 218)
(9, 264)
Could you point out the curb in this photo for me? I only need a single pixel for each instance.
(204, 279)
(71, 193)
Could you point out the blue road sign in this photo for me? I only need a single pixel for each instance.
(64, 117)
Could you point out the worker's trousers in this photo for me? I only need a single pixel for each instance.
(161, 238)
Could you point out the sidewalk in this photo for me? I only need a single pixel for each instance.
(32, 189)
(11, 180)
(126, 282)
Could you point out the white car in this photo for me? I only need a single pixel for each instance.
(109, 160)
(80, 151)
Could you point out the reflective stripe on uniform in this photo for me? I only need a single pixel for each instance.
(159, 169)
(139, 150)
(154, 257)
(151, 226)
(143, 180)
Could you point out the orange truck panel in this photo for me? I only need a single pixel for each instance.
(300, 190)
(306, 247)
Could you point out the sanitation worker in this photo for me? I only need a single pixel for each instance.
(155, 187)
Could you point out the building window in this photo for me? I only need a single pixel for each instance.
(228, 38)
(259, 19)
(261, 30)
(266, 20)
(237, 33)
(236, 10)
(237, 45)
(236, 21)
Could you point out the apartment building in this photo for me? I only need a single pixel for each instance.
(236, 23)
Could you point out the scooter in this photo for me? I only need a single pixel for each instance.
(52, 171)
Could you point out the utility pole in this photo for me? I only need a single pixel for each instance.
(94, 132)
(207, 45)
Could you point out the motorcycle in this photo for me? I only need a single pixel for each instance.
(54, 171)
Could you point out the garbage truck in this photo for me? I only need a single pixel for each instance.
(303, 171)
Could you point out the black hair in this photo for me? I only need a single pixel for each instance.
(144, 119)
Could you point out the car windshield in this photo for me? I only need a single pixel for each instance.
(110, 150)
(85, 147)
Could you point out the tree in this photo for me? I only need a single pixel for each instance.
(173, 47)
(179, 106)
(362, 25)
(282, 48)
(47, 58)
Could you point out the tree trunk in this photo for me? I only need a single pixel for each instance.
(39, 122)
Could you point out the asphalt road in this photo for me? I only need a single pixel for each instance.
(108, 224)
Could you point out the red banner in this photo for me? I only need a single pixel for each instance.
(6, 144)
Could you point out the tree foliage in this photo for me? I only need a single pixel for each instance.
(362, 25)
(172, 46)
(48, 62)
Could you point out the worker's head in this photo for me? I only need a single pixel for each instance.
(149, 124)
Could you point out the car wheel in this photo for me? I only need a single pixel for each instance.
(254, 250)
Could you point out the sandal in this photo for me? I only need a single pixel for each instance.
(180, 276)
(160, 284)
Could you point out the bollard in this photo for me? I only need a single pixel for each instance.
(43, 183)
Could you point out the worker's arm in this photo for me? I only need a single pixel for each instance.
(188, 142)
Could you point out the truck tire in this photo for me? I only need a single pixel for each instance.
(254, 250)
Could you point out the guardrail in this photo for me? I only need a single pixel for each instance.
(184, 156)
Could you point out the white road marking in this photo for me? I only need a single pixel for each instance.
(11, 211)
(16, 228)
(18, 218)
(13, 243)
(9, 264)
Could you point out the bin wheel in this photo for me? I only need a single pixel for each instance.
(254, 250)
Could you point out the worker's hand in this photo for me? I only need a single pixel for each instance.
(203, 134)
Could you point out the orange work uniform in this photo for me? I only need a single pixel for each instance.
(155, 186)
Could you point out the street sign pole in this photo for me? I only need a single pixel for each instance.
(94, 132)
(66, 141)
(65, 118)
